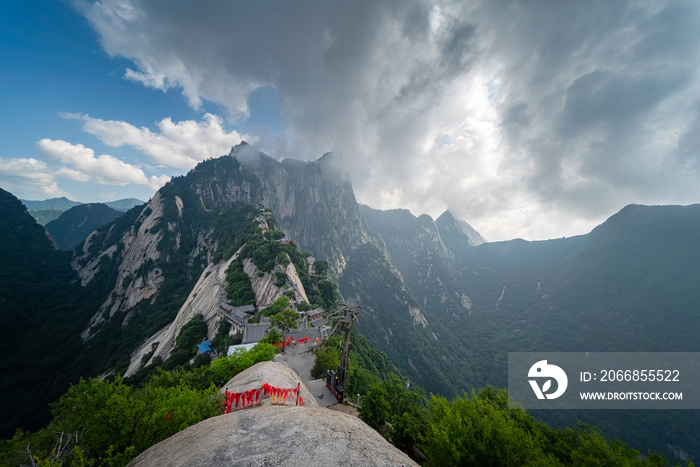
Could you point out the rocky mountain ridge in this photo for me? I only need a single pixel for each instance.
(445, 307)
(206, 298)
(609, 290)
(136, 248)
(311, 205)
(313, 202)
(40, 309)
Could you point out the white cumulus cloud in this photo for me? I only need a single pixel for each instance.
(80, 163)
(156, 182)
(176, 144)
(26, 177)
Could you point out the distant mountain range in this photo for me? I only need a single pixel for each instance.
(59, 204)
(64, 204)
(49, 209)
(445, 305)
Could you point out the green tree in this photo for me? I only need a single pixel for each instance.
(191, 334)
(277, 306)
(375, 407)
(407, 415)
(201, 360)
(327, 357)
(273, 336)
(329, 293)
(283, 259)
(239, 289)
(403, 408)
(360, 380)
(216, 373)
(286, 320)
(321, 268)
(222, 337)
(113, 418)
(476, 432)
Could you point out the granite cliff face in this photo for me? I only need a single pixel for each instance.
(160, 265)
(313, 202)
(203, 300)
(136, 249)
(276, 436)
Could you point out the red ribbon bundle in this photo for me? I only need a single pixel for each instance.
(284, 344)
(252, 397)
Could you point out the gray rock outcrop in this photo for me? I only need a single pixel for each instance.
(203, 300)
(274, 435)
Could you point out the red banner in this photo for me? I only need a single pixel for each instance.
(290, 340)
(253, 397)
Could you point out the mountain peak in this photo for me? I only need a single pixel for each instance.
(327, 158)
(238, 147)
(448, 216)
(450, 221)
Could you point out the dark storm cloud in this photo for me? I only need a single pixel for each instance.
(526, 118)
(593, 93)
(602, 98)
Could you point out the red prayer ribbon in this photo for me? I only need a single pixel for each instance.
(253, 397)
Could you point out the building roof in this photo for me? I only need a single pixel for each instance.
(254, 332)
(244, 308)
(318, 322)
(204, 347)
(311, 333)
(240, 309)
(240, 315)
(234, 315)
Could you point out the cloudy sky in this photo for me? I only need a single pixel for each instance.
(532, 119)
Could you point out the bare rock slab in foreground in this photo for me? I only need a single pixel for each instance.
(275, 436)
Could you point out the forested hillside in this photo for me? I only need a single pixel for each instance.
(42, 311)
(629, 286)
(74, 225)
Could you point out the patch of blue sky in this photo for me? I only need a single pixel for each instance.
(53, 64)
